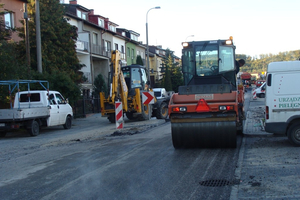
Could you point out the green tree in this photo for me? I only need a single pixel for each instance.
(100, 85)
(167, 78)
(58, 40)
(139, 60)
(59, 59)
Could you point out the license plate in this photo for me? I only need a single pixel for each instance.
(2, 124)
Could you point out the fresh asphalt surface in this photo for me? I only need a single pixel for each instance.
(86, 162)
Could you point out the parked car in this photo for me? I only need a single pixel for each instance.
(259, 83)
(261, 91)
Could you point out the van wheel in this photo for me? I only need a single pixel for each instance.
(294, 134)
(2, 134)
(34, 128)
(68, 123)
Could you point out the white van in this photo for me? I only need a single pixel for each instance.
(283, 100)
(260, 92)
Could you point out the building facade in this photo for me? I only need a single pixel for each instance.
(13, 12)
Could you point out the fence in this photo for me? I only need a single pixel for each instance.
(86, 106)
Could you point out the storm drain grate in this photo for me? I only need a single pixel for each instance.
(218, 183)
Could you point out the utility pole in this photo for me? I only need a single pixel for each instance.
(38, 36)
(27, 38)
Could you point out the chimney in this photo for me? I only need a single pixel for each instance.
(73, 2)
(92, 12)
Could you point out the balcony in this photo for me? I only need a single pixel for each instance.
(96, 49)
(82, 46)
(87, 78)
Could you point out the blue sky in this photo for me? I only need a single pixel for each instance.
(257, 26)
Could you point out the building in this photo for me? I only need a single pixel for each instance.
(97, 37)
(13, 13)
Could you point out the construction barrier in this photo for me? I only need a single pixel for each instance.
(119, 115)
(254, 94)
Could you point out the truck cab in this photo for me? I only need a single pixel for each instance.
(160, 93)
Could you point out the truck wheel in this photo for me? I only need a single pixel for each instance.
(146, 112)
(162, 111)
(294, 134)
(2, 134)
(112, 118)
(130, 116)
(34, 129)
(68, 123)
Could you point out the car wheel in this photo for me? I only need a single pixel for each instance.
(68, 123)
(294, 134)
(34, 129)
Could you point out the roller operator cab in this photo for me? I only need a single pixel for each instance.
(208, 110)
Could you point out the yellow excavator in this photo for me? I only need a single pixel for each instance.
(126, 85)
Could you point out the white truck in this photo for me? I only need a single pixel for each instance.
(283, 100)
(160, 108)
(33, 109)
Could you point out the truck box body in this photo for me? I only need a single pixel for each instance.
(282, 95)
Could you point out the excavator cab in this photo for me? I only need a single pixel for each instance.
(135, 77)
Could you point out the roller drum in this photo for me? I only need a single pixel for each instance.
(204, 134)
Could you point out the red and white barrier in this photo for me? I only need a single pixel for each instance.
(254, 94)
(119, 115)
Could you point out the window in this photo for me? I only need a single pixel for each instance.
(84, 16)
(112, 28)
(79, 13)
(107, 46)
(128, 52)
(30, 97)
(51, 99)
(60, 99)
(122, 49)
(134, 37)
(100, 22)
(8, 17)
(116, 46)
(132, 55)
(95, 38)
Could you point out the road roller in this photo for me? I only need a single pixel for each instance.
(208, 110)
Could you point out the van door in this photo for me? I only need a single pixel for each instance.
(63, 107)
(53, 120)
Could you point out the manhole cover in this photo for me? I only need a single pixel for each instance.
(218, 183)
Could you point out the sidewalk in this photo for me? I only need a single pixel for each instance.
(268, 166)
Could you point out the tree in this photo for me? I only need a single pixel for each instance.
(58, 40)
(100, 85)
(167, 78)
(139, 60)
(59, 59)
(170, 69)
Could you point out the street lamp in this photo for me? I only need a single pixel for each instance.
(188, 37)
(148, 65)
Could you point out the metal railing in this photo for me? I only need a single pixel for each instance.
(82, 45)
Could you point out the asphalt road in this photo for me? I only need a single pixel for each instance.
(86, 162)
(93, 161)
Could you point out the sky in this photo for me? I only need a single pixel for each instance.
(257, 26)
